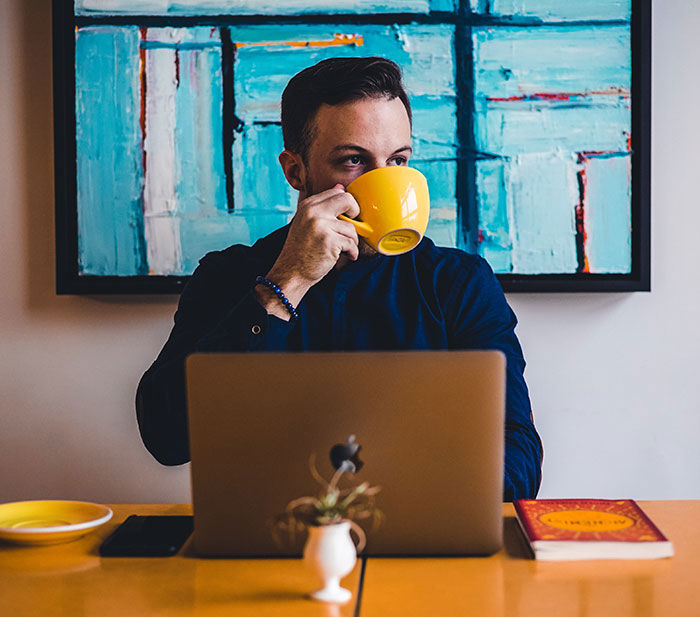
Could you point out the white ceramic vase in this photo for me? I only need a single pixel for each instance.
(331, 553)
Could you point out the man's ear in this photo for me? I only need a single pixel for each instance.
(294, 169)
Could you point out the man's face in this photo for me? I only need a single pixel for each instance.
(353, 138)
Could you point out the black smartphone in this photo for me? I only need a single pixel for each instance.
(148, 536)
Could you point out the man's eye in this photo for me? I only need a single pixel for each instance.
(399, 160)
(354, 160)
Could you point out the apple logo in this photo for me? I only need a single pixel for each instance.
(346, 456)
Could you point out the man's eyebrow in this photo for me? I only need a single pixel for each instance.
(357, 148)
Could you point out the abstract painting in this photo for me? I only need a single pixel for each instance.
(531, 124)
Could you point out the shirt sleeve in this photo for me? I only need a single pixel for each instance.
(482, 319)
(217, 312)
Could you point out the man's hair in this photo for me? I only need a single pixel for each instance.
(335, 81)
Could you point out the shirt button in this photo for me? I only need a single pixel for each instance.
(256, 329)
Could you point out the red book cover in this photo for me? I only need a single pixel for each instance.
(586, 520)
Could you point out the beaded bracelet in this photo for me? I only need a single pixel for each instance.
(278, 292)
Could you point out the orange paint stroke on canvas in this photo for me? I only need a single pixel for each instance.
(338, 39)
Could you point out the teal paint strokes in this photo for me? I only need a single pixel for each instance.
(548, 128)
(495, 245)
(541, 196)
(198, 146)
(253, 7)
(197, 122)
(556, 10)
(607, 214)
(444, 5)
(108, 142)
(542, 97)
(512, 62)
(264, 199)
(267, 62)
(551, 104)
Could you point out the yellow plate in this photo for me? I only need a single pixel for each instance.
(50, 521)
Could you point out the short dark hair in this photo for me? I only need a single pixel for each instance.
(335, 81)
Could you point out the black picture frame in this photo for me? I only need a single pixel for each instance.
(70, 281)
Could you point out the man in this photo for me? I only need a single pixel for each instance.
(314, 285)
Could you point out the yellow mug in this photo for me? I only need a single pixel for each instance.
(394, 208)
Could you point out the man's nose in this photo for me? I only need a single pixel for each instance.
(375, 164)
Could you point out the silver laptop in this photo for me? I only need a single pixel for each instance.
(430, 425)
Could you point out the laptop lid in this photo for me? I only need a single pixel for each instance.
(430, 423)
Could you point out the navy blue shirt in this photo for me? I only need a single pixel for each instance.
(429, 298)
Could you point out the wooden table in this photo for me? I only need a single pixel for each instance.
(71, 579)
(512, 584)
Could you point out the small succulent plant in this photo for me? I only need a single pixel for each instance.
(334, 503)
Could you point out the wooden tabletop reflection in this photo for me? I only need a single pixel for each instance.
(72, 579)
(511, 583)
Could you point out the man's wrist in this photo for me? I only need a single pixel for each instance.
(261, 280)
(292, 288)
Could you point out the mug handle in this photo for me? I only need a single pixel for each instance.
(362, 228)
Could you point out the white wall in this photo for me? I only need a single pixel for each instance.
(613, 377)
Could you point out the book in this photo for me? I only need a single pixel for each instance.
(572, 529)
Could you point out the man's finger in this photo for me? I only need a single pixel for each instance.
(345, 229)
(344, 203)
(332, 206)
(351, 249)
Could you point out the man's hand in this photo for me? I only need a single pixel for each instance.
(315, 242)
